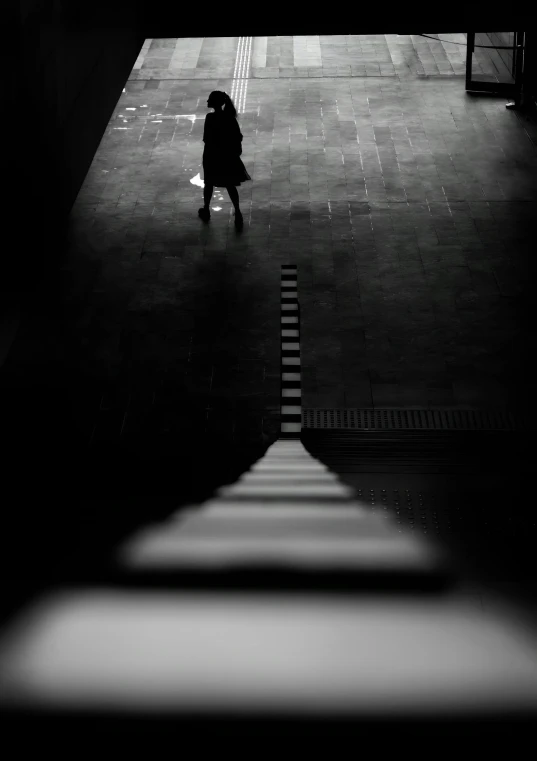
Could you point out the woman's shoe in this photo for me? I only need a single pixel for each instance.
(204, 214)
(238, 219)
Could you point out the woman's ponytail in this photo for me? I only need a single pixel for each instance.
(229, 106)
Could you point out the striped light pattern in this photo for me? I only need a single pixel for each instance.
(239, 85)
(290, 401)
(171, 650)
(288, 516)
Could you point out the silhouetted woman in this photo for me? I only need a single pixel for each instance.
(222, 165)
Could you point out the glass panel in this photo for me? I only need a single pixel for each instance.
(494, 65)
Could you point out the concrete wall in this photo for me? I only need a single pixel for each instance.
(69, 62)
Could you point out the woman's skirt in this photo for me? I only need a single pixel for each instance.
(223, 171)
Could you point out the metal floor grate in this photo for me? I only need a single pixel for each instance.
(409, 420)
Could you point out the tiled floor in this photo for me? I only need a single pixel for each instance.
(356, 55)
(406, 203)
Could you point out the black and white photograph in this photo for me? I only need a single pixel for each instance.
(267, 344)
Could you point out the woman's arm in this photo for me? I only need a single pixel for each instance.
(237, 137)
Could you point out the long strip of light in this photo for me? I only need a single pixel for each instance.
(245, 76)
(240, 75)
(242, 71)
(238, 60)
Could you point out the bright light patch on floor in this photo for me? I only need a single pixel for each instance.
(197, 181)
(217, 652)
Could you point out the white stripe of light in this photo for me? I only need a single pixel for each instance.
(237, 62)
(290, 427)
(246, 75)
(290, 360)
(241, 73)
(238, 66)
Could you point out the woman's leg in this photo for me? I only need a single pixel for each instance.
(234, 195)
(207, 195)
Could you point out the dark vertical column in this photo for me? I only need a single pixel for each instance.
(66, 65)
(69, 64)
(470, 39)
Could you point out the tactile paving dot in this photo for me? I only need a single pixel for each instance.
(418, 511)
(441, 509)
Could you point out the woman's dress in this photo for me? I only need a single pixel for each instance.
(222, 165)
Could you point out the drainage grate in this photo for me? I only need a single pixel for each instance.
(410, 420)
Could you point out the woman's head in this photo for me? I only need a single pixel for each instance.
(218, 99)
